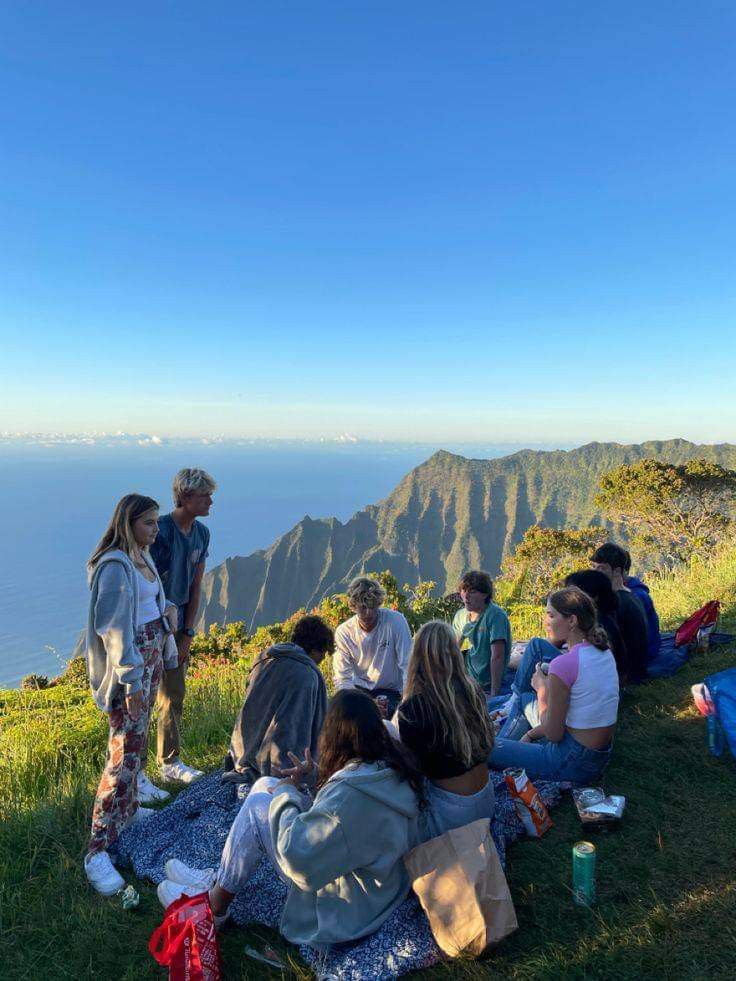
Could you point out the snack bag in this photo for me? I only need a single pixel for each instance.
(532, 812)
(186, 941)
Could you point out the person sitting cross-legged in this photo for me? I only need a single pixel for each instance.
(576, 700)
(285, 703)
(484, 633)
(340, 854)
(443, 720)
(372, 648)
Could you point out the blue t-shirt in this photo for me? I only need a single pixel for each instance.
(177, 556)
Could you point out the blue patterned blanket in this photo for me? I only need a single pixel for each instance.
(194, 827)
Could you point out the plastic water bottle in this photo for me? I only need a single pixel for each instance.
(716, 739)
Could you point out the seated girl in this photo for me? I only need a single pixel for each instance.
(599, 588)
(570, 732)
(443, 720)
(341, 854)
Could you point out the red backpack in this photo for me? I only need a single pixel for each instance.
(704, 617)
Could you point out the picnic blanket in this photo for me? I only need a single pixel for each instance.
(670, 658)
(194, 827)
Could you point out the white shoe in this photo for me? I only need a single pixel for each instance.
(180, 771)
(149, 792)
(102, 874)
(168, 892)
(177, 871)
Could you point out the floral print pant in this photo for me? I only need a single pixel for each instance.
(117, 794)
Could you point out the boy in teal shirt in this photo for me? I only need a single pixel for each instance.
(483, 631)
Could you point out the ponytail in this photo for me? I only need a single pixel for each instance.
(572, 601)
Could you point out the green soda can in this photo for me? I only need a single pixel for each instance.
(583, 873)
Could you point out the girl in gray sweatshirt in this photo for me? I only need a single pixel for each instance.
(341, 854)
(129, 641)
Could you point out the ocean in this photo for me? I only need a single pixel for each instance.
(58, 498)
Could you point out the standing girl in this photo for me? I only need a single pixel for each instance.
(129, 640)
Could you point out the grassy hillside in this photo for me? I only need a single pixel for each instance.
(666, 884)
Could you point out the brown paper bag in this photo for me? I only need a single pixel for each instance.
(460, 883)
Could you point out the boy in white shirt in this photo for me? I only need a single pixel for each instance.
(372, 648)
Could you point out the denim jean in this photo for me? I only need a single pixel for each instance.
(536, 650)
(566, 760)
(445, 810)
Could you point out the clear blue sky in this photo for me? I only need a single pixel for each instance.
(425, 220)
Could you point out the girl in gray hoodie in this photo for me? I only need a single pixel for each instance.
(341, 854)
(129, 641)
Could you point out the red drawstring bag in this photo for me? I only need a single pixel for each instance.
(704, 617)
(186, 941)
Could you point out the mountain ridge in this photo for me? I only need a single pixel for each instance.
(448, 514)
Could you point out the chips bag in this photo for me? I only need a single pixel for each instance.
(529, 807)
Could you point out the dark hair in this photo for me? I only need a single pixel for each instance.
(627, 553)
(598, 586)
(313, 635)
(572, 601)
(613, 555)
(354, 730)
(477, 580)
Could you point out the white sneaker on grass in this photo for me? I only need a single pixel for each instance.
(168, 892)
(180, 771)
(177, 871)
(149, 792)
(102, 874)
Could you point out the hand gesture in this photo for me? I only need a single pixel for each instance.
(300, 772)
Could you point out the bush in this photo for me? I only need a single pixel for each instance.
(34, 682)
(75, 674)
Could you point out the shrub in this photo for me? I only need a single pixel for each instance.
(34, 682)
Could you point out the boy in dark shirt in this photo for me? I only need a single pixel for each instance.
(611, 560)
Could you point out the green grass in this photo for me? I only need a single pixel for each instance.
(667, 894)
(667, 889)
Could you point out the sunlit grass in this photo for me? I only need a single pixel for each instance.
(666, 881)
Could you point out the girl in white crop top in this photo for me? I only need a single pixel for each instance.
(576, 704)
(580, 693)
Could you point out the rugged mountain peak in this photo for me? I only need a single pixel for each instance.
(446, 515)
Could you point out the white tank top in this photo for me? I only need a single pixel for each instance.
(147, 600)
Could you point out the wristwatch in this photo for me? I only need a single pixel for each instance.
(188, 632)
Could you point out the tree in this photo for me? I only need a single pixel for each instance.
(670, 512)
(544, 556)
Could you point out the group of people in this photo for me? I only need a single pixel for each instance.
(343, 788)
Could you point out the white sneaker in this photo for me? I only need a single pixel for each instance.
(180, 771)
(149, 792)
(168, 892)
(177, 871)
(102, 874)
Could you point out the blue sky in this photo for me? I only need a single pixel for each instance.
(432, 221)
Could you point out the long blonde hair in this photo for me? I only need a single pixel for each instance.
(437, 671)
(119, 533)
